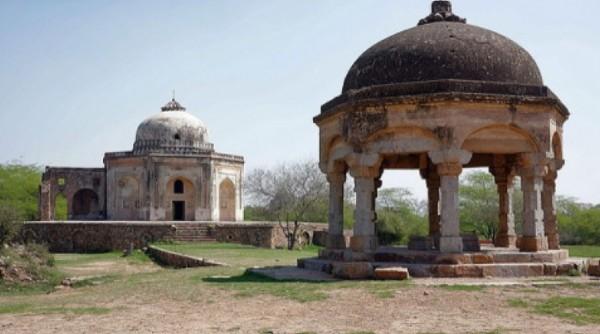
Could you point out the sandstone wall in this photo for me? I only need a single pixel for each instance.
(85, 236)
(95, 236)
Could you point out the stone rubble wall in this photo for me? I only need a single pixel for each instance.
(84, 236)
(95, 236)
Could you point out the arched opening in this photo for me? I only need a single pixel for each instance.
(181, 199)
(60, 207)
(85, 204)
(227, 201)
(178, 187)
(500, 139)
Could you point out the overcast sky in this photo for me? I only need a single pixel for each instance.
(77, 77)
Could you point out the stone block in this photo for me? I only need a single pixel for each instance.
(363, 243)
(394, 273)
(444, 270)
(513, 270)
(533, 244)
(352, 270)
(565, 268)
(550, 269)
(451, 259)
(594, 270)
(480, 258)
(469, 270)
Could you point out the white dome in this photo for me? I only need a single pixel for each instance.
(172, 131)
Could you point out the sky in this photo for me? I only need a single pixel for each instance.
(77, 77)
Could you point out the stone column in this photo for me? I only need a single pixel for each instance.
(364, 238)
(335, 234)
(532, 171)
(549, 207)
(450, 238)
(449, 166)
(433, 203)
(506, 236)
(365, 169)
(47, 201)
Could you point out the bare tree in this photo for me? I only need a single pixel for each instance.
(290, 193)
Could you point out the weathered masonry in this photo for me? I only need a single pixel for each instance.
(439, 98)
(172, 174)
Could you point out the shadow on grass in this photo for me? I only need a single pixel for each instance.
(250, 277)
(250, 284)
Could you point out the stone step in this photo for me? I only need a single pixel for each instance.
(509, 270)
(434, 257)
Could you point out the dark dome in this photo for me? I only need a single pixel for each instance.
(443, 50)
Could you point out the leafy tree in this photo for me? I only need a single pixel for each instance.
(19, 188)
(399, 216)
(478, 200)
(10, 223)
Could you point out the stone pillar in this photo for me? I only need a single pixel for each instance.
(433, 203)
(449, 166)
(532, 171)
(364, 238)
(506, 236)
(433, 199)
(46, 202)
(335, 234)
(549, 207)
(450, 238)
(365, 169)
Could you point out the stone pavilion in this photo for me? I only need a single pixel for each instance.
(440, 98)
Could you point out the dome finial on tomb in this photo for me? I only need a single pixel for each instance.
(442, 11)
(173, 105)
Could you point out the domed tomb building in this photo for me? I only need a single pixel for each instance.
(172, 174)
(439, 98)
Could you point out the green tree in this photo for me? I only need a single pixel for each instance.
(19, 188)
(399, 216)
(478, 199)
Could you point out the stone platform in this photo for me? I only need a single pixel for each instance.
(488, 262)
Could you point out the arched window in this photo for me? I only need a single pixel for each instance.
(178, 187)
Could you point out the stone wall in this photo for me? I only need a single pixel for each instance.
(85, 236)
(267, 234)
(95, 236)
(177, 260)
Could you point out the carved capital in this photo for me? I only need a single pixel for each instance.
(364, 165)
(452, 155)
(449, 169)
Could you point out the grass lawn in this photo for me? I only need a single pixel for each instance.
(241, 255)
(583, 251)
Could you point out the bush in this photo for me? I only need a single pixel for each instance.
(10, 224)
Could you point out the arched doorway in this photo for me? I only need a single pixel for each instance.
(181, 197)
(85, 204)
(227, 201)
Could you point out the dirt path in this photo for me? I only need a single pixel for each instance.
(418, 309)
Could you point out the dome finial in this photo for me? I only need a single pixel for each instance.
(441, 11)
(173, 105)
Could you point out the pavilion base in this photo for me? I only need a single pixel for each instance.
(489, 262)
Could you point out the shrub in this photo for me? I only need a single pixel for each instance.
(10, 224)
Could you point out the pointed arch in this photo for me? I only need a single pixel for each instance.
(227, 197)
